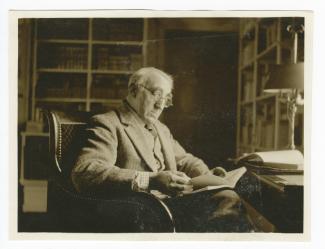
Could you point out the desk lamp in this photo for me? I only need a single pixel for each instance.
(288, 80)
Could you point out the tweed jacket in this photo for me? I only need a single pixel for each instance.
(115, 149)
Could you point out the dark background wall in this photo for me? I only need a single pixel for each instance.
(204, 66)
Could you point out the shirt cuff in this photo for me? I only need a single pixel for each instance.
(140, 181)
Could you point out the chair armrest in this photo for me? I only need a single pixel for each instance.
(142, 212)
(163, 207)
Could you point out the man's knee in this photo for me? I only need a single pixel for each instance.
(228, 204)
(227, 195)
(229, 214)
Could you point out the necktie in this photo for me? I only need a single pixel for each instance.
(157, 146)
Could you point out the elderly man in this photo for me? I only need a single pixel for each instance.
(129, 149)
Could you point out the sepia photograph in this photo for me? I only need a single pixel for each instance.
(169, 125)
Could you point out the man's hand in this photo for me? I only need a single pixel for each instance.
(219, 171)
(170, 182)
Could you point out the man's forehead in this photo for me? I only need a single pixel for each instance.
(158, 82)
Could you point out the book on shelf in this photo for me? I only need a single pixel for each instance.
(103, 92)
(71, 57)
(271, 34)
(248, 53)
(247, 116)
(247, 134)
(118, 62)
(101, 54)
(136, 61)
(213, 182)
(248, 91)
(286, 161)
(122, 92)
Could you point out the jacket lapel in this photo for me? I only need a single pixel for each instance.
(139, 141)
(136, 135)
(167, 149)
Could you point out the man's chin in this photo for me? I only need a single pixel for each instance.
(151, 119)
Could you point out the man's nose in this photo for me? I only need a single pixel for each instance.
(160, 104)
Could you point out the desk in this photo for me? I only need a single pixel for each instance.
(277, 198)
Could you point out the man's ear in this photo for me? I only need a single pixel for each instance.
(133, 90)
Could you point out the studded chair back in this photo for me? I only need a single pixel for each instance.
(67, 131)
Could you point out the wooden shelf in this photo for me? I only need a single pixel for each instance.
(59, 70)
(94, 71)
(63, 99)
(100, 71)
(248, 64)
(265, 97)
(64, 41)
(247, 102)
(106, 101)
(122, 43)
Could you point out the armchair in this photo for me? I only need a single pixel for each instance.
(71, 211)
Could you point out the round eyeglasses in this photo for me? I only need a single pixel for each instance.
(158, 96)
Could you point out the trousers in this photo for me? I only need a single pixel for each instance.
(210, 211)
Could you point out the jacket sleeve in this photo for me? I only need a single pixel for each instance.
(95, 168)
(186, 162)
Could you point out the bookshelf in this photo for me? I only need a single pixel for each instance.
(84, 64)
(262, 118)
(77, 64)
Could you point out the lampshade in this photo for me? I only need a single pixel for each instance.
(285, 78)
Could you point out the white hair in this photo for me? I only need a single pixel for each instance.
(146, 74)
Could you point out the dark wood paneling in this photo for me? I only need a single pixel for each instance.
(204, 66)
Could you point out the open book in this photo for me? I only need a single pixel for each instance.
(276, 160)
(211, 182)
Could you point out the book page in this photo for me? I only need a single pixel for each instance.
(229, 180)
(234, 175)
(282, 156)
(208, 180)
